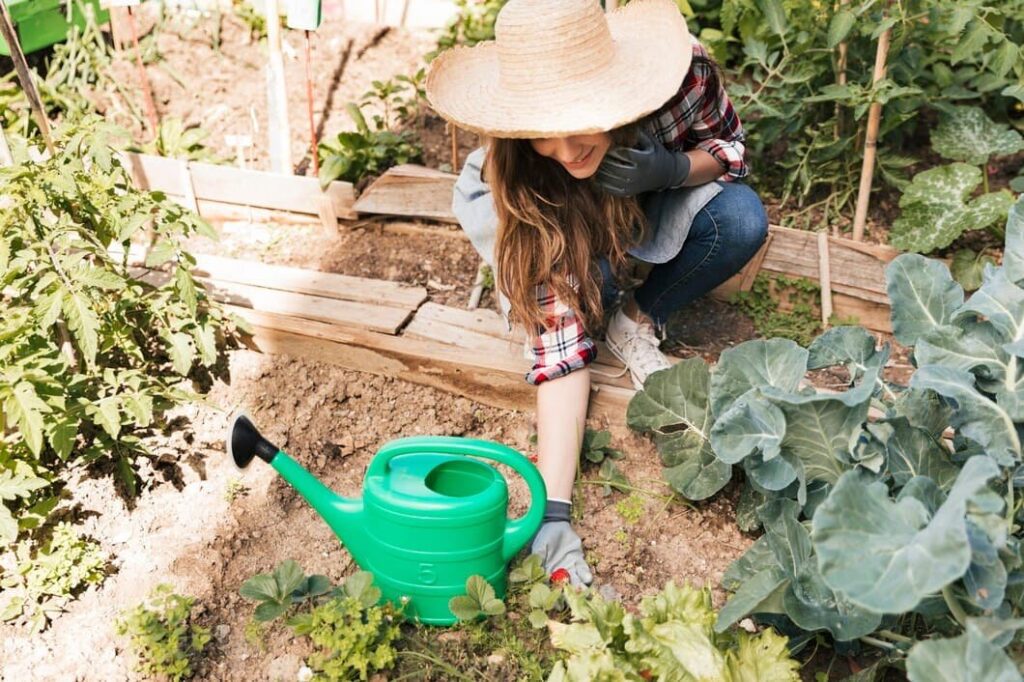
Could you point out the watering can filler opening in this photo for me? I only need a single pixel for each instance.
(432, 514)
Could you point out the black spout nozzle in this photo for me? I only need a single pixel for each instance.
(245, 442)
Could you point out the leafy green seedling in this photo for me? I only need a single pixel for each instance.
(287, 585)
(597, 449)
(631, 509)
(162, 636)
(542, 600)
(528, 573)
(478, 601)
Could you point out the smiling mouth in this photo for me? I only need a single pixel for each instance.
(579, 162)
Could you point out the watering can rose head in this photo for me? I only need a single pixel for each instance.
(432, 514)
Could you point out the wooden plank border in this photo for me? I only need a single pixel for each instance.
(230, 185)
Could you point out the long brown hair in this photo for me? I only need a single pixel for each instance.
(552, 228)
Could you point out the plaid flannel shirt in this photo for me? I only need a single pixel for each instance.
(687, 121)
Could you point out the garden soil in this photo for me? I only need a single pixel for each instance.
(205, 527)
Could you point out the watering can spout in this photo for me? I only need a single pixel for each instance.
(344, 515)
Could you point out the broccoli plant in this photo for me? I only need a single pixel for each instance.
(884, 507)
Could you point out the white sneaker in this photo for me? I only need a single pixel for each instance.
(636, 345)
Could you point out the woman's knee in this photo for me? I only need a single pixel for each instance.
(742, 215)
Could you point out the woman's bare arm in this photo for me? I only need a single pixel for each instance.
(703, 168)
(561, 419)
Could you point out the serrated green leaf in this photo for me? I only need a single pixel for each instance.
(269, 610)
(261, 587)
(98, 277)
(185, 288)
(923, 296)
(25, 409)
(61, 432)
(774, 15)
(1005, 57)
(179, 348)
(972, 42)
(83, 324)
(8, 534)
(887, 556)
(289, 577)
(161, 252)
(108, 415)
(968, 134)
(839, 27)
(464, 608)
(14, 485)
(126, 474)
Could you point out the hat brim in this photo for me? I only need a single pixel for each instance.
(653, 52)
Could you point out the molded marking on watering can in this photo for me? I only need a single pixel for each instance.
(428, 574)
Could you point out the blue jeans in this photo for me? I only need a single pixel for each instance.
(725, 234)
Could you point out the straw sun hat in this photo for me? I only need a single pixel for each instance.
(563, 67)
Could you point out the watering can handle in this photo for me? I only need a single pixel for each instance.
(517, 531)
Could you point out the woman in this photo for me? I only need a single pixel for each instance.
(608, 135)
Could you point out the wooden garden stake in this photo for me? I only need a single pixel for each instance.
(824, 279)
(24, 75)
(309, 101)
(455, 147)
(860, 216)
(405, 13)
(277, 126)
(840, 77)
(147, 91)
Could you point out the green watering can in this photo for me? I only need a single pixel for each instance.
(431, 515)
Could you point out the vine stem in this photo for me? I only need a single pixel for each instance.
(888, 646)
(954, 606)
(896, 637)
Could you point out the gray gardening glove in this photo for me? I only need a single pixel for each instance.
(647, 167)
(558, 546)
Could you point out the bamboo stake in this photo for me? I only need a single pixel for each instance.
(478, 287)
(405, 13)
(24, 76)
(871, 141)
(147, 91)
(840, 77)
(309, 100)
(277, 98)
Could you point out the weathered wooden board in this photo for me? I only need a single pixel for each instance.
(410, 190)
(491, 379)
(301, 307)
(231, 185)
(311, 282)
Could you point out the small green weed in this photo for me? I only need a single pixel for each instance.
(800, 321)
(162, 637)
(278, 591)
(352, 637)
(621, 536)
(235, 489)
(45, 582)
(597, 449)
(631, 509)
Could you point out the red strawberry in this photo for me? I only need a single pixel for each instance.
(532, 458)
(559, 576)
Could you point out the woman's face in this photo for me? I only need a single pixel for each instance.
(580, 155)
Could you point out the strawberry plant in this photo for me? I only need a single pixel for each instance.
(874, 527)
(90, 355)
(479, 601)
